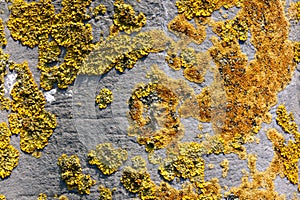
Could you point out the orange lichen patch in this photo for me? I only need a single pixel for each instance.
(105, 193)
(225, 167)
(122, 52)
(286, 120)
(106, 158)
(137, 180)
(71, 173)
(104, 98)
(233, 29)
(198, 107)
(161, 102)
(261, 185)
(180, 25)
(3, 40)
(34, 124)
(186, 163)
(125, 18)
(297, 52)
(9, 156)
(4, 63)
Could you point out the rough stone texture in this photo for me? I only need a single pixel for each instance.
(81, 125)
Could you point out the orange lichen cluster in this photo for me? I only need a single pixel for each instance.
(194, 64)
(261, 185)
(125, 18)
(71, 173)
(30, 118)
(106, 158)
(9, 156)
(156, 98)
(33, 24)
(181, 25)
(251, 88)
(287, 152)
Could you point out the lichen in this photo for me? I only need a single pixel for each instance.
(3, 40)
(5, 103)
(286, 120)
(2, 197)
(125, 18)
(100, 9)
(105, 193)
(30, 118)
(9, 156)
(71, 173)
(297, 51)
(42, 196)
(225, 167)
(104, 98)
(106, 158)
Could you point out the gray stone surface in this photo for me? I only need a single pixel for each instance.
(81, 125)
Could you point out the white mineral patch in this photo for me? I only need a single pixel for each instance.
(49, 95)
(9, 82)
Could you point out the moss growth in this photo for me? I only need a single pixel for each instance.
(9, 156)
(106, 158)
(125, 18)
(71, 173)
(104, 98)
(34, 124)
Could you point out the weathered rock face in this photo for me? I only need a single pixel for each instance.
(196, 87)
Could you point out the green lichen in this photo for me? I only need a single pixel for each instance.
(104, 98)
(71, 173)
(106, 158)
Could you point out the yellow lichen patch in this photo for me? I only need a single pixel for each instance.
(105, 193)
(180, 25)
(33, 24)
(30, 22)
(3, 40)
(71, 173)
(42, 196)
(106, 158)
(286, 120)
(125, 18)
(4, 63)
(2, 197)
(196, 8)
(233, 29)
(121, 52)
(137, 180)
(63, 197)
(186, 163)
(297, 51)
(104, 98)
(9, 156)
(225, 167)
(100, 9)
(34, 124)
